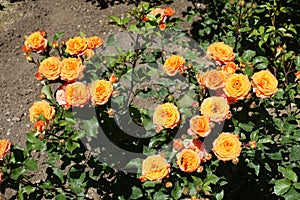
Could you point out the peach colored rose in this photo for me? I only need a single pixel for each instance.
(157, 11)
(213, 80)
(200, 126)
(113, 78)
(230, 67)
(215, 108)
(41, 108)
(77, 46)
(77, 94)
(173, 64)
(237, 87)
(101, 91)
(50, 68)
(264, 84)
(36, 42)
(297, 74)
(60, 96)
(155, 168)
(188, 160)
(94, 42)
(71, 69)
(168, 12)
(227, 146)
(4, 148)
(166, 115)
(220, 53)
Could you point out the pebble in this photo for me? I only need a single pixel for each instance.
(16, 119)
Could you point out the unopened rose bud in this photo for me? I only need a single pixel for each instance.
(200, 169)
(41, 136)
(252, 105)
(29, 58)
(186, 191)
(198, 188)
(254, 5)
(168, 184)
(62, 142)
(194, 198)
(110, 112)
(235, 161)
(42, 96)
(26, 49)
(39, 76)
(241, 3)
(178, 144)
(252, 144)
(207, 193)
(113, 78)
(208, 156)
(234, 22)
(232, 2)
(278, 50)
(115, 93)
(170, 98)
(55, 45)
(43, 32)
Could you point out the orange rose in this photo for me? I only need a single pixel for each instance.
(50, 68)
(41, 108)
(39, 126)
(227, 146)
(71, 69)
(155, 168)
(4, 148)
(199, 125)
(157, 11)
(101, 91)
(88, 54)
(215, 109)
(230, 68)
(94, 42)
(297, 74)
(188, 160)
(169, 12)
(77, 94)
(76, 46)
(36, 42)
(173, 64)
(264, 84)
(166, 115)
(213, 79)
(220, 53)
(237, 87)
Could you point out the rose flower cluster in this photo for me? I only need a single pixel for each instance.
(164, 15)
(227, 85)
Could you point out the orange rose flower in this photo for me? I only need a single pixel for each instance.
(4, 148)
(213, 79)
(297, 74)
(166, 115)
(200, 126)
(41, 108)
(237, 87)
(173, 64)
(227, 146)
(264, 84)
(169, 12)
(71, 69)
(94, 42)
(155, 168)
(157, 11)
(230, 68)
(88, 54)
(215, 109)
(36, 42)
(188, 160)
(77, 94)
(101, 91)
(50, 68)
(39, 126)
(220, 53)
(77, 46)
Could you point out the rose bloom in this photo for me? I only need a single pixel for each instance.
(77, 46)
(169, 12)
(297, 74)
(166, 115)
(213, 79)
(4, 148)
(200, 126)
(157, 11)
(39, 126)
(227, 146)
(230, 67)
(173, 64)
(60, 96)
(188, 160)
(237, 87)
(36, 42)
(41, 108)
(155, 168)
(215, 108)
(220, 53)
(101, 91)
(94, 42)
(50, 68)
(71, 69)
(264, 84)
(77, 94)
(198, 146)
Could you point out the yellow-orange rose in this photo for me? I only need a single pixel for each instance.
(237, 87)
(76, 46)
(173, 64)
(88, 54)
(41, 108)
(36, 42)
(264, 84)
(101, 91)
(188, 160)
(166, 115)
(227, 146)
(94, 42)
(4, 148)
(200, 126)
(213, 79)
(50, 68)
(230, 68)
(220, 53)
(71, 69)
(77, 94)
(297, 74)
(155, 168)
(215, 108)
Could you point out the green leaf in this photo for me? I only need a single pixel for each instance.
(60, 197)
(297, 62)
(28, 189)
(31, 164)
(254, 135)
(292, 194)
(288, 174)
(248, 55)
(275, 156)
(296, 185)
(281, 186)
(16, 173)
(57, 36)
(116, 19)
(136, 193)
(254, 165)
(71, 145)
(295, 153)
(177, 191)
(211, 178)
(247, 127)
(59, 174)
(46, 89)
(161, 196)
(185, 101)
(220, 195)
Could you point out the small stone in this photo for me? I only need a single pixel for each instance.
(16, 119)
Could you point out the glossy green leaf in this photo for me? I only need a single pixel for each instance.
(281, 186)
(17, 172)
(136, 193)
(31, 164)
